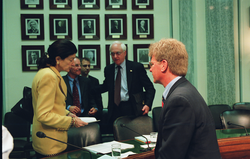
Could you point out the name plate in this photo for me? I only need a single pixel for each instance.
(31, 6)
(143, 36)
(115, 36)
(61, 37)
(33, 37)
(89, 6)
(142, 6)
(89, 37)
(115, 6)
(33, 68)
(60, 6)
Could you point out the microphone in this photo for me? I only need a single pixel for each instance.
(144, 150)
(229, 123)
(42, 135)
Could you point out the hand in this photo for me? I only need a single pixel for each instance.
(145, 109)
(72, 115)
(74, 109)
(92, 111)
(79, 122)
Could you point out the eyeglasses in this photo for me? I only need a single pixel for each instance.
(85, 65)
(76, 65)
(115, 53)
(152, 64)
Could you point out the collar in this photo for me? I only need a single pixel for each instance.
(169, 86)
(72, 79)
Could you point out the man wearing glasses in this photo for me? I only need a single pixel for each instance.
(186, 126)
(125, 81)
(85, 69)
(79, 99)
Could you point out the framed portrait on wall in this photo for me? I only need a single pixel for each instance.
(109, 59)
(93, 53)
(143, 26)
(89, 4)
(88, 27)
(60, 4)
(141, 54)
(115, 26)
(30, 55)
(31, 4)
(60, 26)
(142, 4)
(32, 26)
(115, 4)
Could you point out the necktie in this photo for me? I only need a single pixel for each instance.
(162, 102)
(117, 97)
(76, 101)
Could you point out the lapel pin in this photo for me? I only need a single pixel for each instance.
(131, 70)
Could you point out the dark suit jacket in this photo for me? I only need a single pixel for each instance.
(87, 99)
(137, 79)
(186, 126)
(97, 96)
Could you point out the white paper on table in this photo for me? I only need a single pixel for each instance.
(106, 147)
(89, 119)
(150, 145)
(123, 155)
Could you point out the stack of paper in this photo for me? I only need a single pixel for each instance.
(89, 119)
(106, 147)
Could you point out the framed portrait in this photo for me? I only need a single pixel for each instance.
(115, 4)
(142, 4)
(32, 26)
(30, 56)
(141, 54)
(115, 26)
(60, 4)
(143, 26)
(88, 27)
(93, 53)
(88, 4)
(31, 4)
(60, 26)
(109, 59)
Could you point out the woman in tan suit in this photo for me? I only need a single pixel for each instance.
(48, 97)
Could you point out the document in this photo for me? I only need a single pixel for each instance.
(104, 148)
(89, 119)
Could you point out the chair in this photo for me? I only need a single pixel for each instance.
(242, 105)
(232, 118)
(142, 124)
(84, 136)
(19, 128)
(156, 116)
(216, 110)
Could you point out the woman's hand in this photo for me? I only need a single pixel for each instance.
(79, 122)
(72, 115)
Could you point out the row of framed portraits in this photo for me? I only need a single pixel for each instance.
(31, 53)
(32, 26)
(88, 4)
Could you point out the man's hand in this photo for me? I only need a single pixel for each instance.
(74, 109)
(92, 111)
(145, 109)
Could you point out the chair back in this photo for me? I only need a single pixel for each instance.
(242, 105)
(84, 136)
(142, 124)
(232, 118)
(216, 110)
(156, 116)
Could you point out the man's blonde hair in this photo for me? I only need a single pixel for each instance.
(174, 52)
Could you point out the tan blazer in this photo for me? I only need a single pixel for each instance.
(48, 97)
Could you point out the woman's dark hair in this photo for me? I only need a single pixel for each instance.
(62, 48)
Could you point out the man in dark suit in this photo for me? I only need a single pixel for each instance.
(88, 106)
(85, 69)
(133, 80)
(186, 126)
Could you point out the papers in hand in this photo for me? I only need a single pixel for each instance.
(106, 147)
(89, 119)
